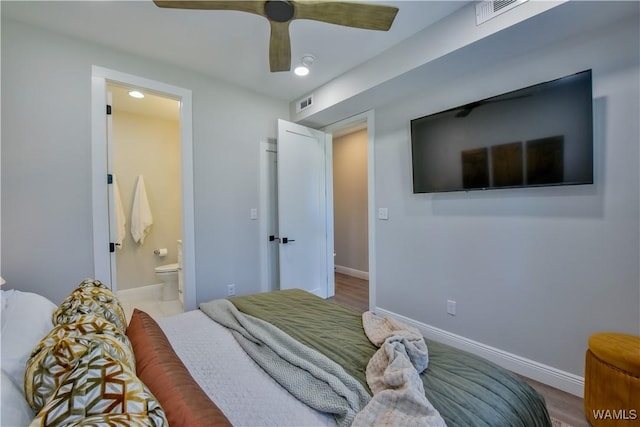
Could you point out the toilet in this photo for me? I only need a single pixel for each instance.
(168, 273)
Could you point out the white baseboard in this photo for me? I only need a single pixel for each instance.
(540, 372)
(352, 272)
(149, 292)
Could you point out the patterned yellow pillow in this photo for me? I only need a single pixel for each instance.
(62, 349)
(91, 296)
(115, 420)
(92, 283)
(99, 385)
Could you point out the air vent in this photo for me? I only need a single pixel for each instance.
(487, 9)
(304, 103)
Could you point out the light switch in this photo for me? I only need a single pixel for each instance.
(451, 307)
(383, 213)
(254, 213)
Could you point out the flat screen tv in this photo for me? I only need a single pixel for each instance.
(540, 135)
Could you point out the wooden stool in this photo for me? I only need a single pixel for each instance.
(612, 380)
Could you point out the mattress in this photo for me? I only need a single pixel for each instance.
(246, 394)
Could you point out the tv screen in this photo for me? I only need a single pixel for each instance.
(536, 136)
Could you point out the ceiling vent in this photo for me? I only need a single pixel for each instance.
(488, 9)
(304, 103)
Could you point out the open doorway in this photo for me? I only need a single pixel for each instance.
(362, 272)
(350, 216)
(103, 240)
(145, 162)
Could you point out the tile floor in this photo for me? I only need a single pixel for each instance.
(148, 300)
(154, 308)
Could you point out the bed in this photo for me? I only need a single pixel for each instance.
(203, 373)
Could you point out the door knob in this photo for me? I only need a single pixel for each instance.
(283, 240)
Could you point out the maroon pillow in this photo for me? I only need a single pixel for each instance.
(160, 368)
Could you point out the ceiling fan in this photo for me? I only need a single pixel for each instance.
(281, 13)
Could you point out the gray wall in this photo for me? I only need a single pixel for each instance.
(46, 164)
(534, 271)
(350, 201)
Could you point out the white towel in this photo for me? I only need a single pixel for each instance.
(393, 375)
(121, 220)
(141, 218)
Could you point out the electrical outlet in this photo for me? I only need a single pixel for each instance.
(231, 290)
(451, 307)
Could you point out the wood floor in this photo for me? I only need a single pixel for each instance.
(354, 293)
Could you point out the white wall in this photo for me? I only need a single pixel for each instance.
(534, 271)
(46, 163)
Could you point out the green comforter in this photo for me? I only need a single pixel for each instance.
(466, 389)
(306, 373)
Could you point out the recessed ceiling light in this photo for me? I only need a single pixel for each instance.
(301, 71)
(136, 94)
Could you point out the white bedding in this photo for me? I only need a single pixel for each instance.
(26, 318)
(246, 394)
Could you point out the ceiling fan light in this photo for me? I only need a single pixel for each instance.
(136, 94)
(301, 71)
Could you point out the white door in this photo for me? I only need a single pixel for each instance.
(305, 209)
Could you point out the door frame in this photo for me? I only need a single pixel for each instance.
(367, 117)
(264, 209)
(100, 168)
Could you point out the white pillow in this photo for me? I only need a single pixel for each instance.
(15, 409)
(26, 319)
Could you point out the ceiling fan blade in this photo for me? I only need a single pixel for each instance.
(256, 7)
(279, 47)
(358, 15)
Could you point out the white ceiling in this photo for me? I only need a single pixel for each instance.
(229, 45)
(151, 105)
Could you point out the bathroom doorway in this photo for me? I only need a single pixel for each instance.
(105, 265)
(146, 167)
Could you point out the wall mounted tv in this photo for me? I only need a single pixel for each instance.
(540, 135)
